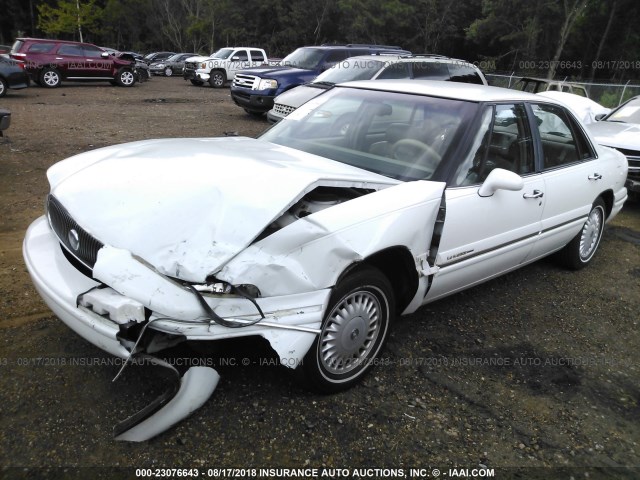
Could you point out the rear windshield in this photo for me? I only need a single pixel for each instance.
(17, 46)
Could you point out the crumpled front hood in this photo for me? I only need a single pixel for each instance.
(187, 206)
(616, 134)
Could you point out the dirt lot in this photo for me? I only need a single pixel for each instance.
(529, 374)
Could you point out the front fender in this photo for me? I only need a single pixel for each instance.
(312, 252)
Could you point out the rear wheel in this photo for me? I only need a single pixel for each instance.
(50, 78)
(354, 330)
(168, 72)
(578, 252)
(217, 79)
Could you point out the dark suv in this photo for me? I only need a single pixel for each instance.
(51, 61)
(255, 88)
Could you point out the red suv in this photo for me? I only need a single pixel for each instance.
(51, 61)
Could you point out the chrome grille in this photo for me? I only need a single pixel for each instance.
(86, 249)
(246, 81)
(284, 110)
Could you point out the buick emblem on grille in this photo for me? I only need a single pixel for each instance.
(74, 239)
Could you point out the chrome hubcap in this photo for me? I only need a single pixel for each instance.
(591, 233)
(50, 78)
(127, 78)
(350, 332)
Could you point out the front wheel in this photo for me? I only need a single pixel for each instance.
(168, 72)
(354, 330)
(3, 88)
(195, 82)
(217, 79)
(578, 252)
(125, 77)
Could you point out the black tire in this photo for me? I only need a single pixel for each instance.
(3, 87)
(50, 78)
(578, 252)
(197, 83)
(217, 79)
(354, 330)
(168, 72)
(125, 77)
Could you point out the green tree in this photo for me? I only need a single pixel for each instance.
(69, 16)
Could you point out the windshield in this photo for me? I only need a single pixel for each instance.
(174, 58)
(305, 58)
(627, 113)
(222, 53)
(402, 136)
(350, 70)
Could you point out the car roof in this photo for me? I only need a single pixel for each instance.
(394, 57)
(454, 90)
(50, 40)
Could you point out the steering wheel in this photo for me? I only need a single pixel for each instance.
(414, 151)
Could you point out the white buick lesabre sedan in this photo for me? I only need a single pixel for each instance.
(318, 233)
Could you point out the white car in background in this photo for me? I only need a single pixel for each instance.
(377, 67)
(621, 130)
(316, 237)
(587, 110)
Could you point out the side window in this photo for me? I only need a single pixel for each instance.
(334, 57)
(92, 52)
(257, 56)
(562, 140)
(504, 141)
(464, 73)
(240, 56)
(41, 47)
(71, 50)
(395, 70)
(430, 70)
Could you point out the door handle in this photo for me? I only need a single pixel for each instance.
(535, 194)
(595, 176)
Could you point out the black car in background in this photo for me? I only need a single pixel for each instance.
(12, 74)
(173, 64)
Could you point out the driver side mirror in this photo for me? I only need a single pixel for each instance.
(600, 116)
(500, 179)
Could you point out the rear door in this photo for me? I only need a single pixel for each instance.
(238, 60)
(483, 237)
(257, 57)
(572, 175)
(70, 61)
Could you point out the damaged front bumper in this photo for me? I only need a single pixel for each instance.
(290, 324)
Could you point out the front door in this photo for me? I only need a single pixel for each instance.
(484, 236)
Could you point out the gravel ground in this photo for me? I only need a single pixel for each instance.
(534, 374)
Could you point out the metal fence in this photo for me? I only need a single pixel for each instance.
(607, 94)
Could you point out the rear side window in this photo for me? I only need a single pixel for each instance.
(257, 56)
(394, 71)
(430, 70)
(40, 47)
(463, 73)
(562, 140)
